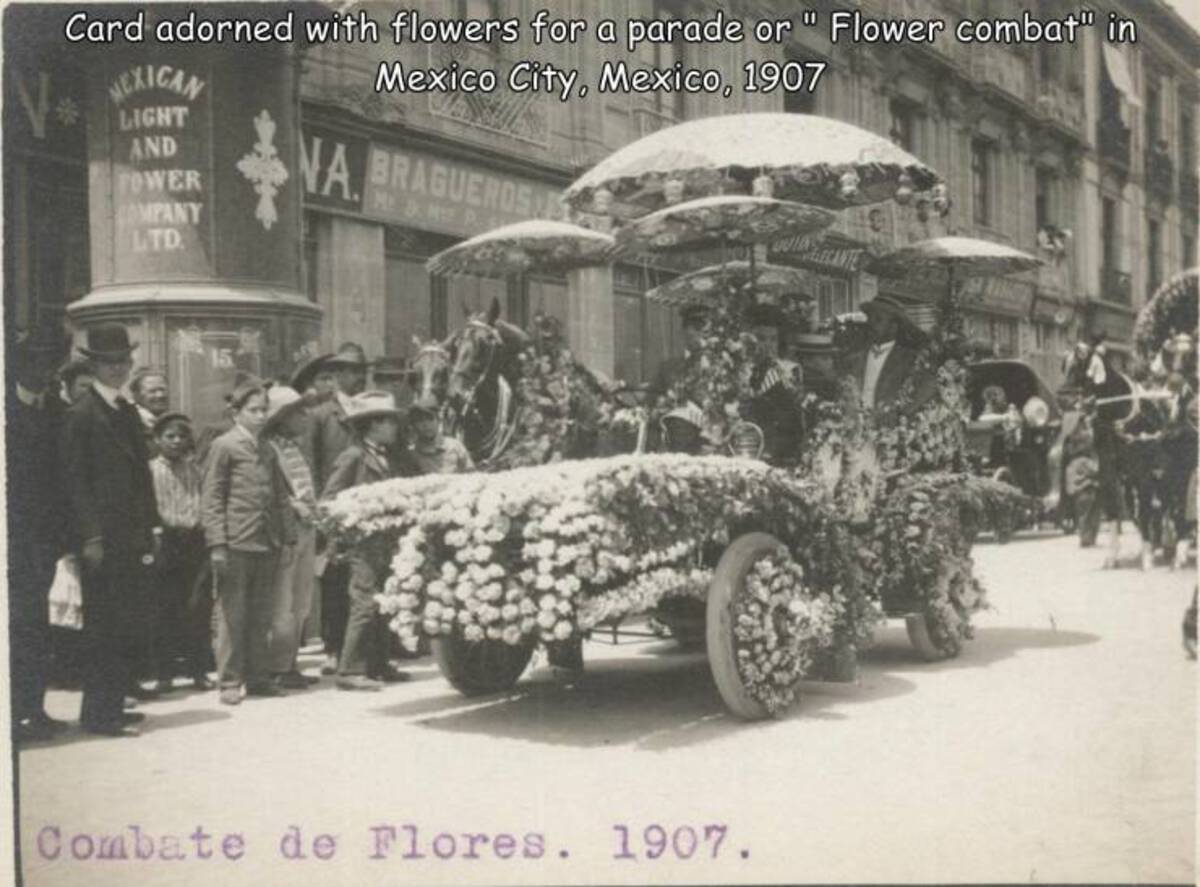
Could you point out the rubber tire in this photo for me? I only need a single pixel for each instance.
(476, 668)
(921, 638)
(726, 583)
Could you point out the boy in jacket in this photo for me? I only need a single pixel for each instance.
(246, 524)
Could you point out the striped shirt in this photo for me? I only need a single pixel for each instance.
(295, 469)
(177, 489)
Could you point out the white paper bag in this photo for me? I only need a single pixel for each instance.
(66, 594)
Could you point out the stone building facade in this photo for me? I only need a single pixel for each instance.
(1082, 154)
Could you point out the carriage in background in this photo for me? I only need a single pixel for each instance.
(1014, 432)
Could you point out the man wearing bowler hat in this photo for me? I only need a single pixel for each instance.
(330, 433)
(883, 367)
(114, 527)
(34, 522)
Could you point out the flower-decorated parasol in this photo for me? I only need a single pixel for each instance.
(705, 286)
(726, 219)
(1171, 311)
(945, 257)
(801, 157)
(534, 245)
(943, 260)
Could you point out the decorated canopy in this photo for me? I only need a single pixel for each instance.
(1171, 310)
(802, 157)
(726, 219)
(703, 287)
(535, 245)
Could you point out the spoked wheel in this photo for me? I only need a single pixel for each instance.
(475, 668)
(727, 583)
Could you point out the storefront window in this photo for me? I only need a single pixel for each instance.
(981, 181)
(408, 308)
(467, 295)
(204, 355)
(548, 297)
(833, 297)
(628, 338)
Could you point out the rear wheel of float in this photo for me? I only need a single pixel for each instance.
(728, 582)
(934, 645)
(475, 668)
(1004, 531)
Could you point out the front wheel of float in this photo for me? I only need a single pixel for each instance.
(476, 668)
(729, 581)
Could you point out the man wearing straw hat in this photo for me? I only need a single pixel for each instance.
(329, 434)
(114, 527)
(286, 422)
(882, 369)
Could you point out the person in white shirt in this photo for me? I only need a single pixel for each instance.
(885, 365)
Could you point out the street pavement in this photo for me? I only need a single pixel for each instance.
(1060, 746)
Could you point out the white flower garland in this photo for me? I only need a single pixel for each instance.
(549, 551)
(778, 627)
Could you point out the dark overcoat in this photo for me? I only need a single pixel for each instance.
(110, 496)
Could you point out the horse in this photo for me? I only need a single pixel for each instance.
(1145, 441)
(486, 378)
(429, 370)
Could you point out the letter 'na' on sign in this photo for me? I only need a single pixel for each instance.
(332, 168)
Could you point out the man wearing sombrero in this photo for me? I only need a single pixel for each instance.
(883, 367)
(363, 661)
(329, 434)
(114, 527)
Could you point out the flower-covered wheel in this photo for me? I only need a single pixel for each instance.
(938, 632)
(763, 626)
(475, 668)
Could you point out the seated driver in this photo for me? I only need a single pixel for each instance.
(683, 430)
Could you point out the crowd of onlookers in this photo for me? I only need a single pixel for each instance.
(195, 549)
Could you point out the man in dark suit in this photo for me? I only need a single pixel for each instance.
(114, 528)
(329, 434)
(882, 369)
(34, 537)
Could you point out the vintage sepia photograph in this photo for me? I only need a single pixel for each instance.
(601, 441)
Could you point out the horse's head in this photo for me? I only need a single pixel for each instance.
(484, 347)
(429, 374)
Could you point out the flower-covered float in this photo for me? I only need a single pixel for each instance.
(792, 526)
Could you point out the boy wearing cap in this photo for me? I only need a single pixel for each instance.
(246, 525)
(363, 662)
(182, 606)
(287, 416)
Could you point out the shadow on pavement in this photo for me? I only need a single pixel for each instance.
(1028, 535)
(653, 703)
(153, 724)
(989, 645)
